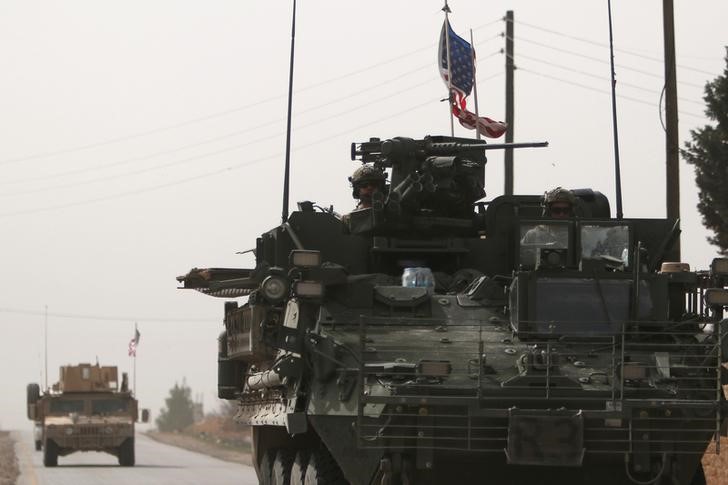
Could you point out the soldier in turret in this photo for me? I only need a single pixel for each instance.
(559, 203)
(366, 180)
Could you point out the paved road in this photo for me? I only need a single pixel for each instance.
(156, 464)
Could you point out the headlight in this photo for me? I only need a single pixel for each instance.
(305, 259)
(274, 288)
(719, 267)
(69, 431)
(308, 289)
(716, 297)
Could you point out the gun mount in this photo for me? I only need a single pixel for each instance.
(437, 176)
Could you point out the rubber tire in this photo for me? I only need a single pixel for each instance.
(298, 469)
(50, 453)
(38, 445)
(281, 472)
(266, 468)
(126, 453)
(699, 477)
(323, 470)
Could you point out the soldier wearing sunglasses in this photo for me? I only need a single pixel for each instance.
(558, 203)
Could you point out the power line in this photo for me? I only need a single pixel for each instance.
(206, 174)
(235, 147)
(222, 137)
(597, 76)
(79, 316)
(584, 86)
(600, 44)
(221, 113)
(216, 152)
(600, 60)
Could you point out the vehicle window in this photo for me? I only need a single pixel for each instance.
(537, 236)
(612, 241)
(66, 406)
(108, 406)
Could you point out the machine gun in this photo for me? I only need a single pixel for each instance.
(437, 175)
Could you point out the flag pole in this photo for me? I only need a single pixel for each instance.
(447, 11)
(475, 87)
(135, 333)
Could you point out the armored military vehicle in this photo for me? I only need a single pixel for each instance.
(86, 410)
(585, 357)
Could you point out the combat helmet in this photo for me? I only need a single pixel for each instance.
(363, 175)
(559, 194)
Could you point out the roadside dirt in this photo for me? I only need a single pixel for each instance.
(8, 461)
(229, 446)
(216, 437)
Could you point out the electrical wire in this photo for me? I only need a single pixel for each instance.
(573, 83)
(79, 316)
(228, 149)
(597, 76)
(207, 174)
(216, 152)
(626, 51)
(600, 60)
(221, 113)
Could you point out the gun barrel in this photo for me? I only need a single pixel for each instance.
(500, 146)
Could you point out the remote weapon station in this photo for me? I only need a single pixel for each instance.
(426, 339)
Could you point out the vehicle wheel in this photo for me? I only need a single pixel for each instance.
(281, 473)
(126, 453)
(699, 477)
(266, 467)
(323, 470)
(298, 469)
(38, 445)
(50, 453)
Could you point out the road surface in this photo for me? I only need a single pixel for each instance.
(156, 464)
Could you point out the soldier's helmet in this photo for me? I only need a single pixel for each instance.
(559, 194)
(364, 175)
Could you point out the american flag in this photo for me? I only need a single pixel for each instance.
(461, 58)
(133, 343)
(486, 126)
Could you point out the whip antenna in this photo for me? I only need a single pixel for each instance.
(617, 176)
(286, 176)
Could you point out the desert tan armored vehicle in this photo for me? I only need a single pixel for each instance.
(86, 410)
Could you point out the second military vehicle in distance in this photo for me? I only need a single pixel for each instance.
(86, 410)
(583, 357)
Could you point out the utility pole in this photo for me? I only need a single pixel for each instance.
(510, 68)
(45, 337)
(672, 150)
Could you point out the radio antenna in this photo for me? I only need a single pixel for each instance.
(286, 176)
(617, 176)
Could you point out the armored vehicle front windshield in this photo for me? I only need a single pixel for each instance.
(108, 406)
(535, 236)
(611, 241)
(66, 406)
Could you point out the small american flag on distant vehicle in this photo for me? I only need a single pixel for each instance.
(133, 343)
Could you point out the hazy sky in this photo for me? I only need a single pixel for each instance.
(141, 138)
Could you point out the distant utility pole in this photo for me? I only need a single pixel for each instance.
(672, 149)
(45, 337)
(510, 68)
